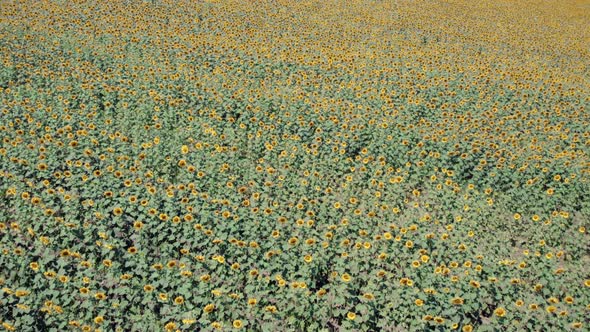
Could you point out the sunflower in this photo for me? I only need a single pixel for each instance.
(467, 328)
(209, 308)
(457, 301)
(500, 312)
(170, 326)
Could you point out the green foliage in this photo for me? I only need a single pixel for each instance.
(306, 166)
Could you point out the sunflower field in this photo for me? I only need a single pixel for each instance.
(279, 165)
